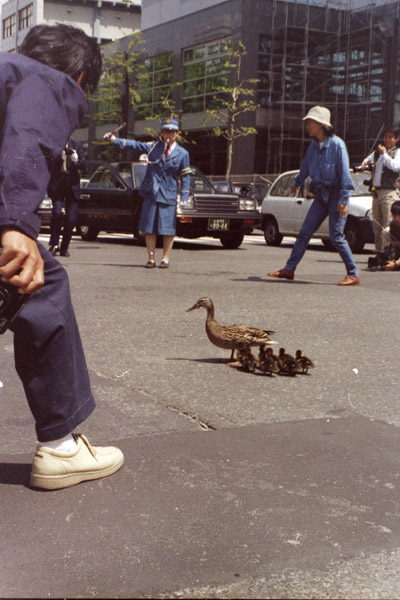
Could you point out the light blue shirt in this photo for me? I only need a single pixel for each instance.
(328, 167)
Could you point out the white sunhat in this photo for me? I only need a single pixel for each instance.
(320, 114)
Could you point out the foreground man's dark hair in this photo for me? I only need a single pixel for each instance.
(67, 49)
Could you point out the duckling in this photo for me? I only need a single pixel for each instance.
(267, 361)
(303, 363)
(246, 359)
(231, 337)
(287, 364)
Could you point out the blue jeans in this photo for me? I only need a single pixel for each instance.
(315, 216)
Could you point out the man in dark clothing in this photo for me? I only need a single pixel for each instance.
(64, 189)
(42, 101)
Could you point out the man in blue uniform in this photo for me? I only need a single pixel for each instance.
(42, 101)
(168, 164)
(64, 190)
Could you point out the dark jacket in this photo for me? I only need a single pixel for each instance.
(39, 109)
(66, 181)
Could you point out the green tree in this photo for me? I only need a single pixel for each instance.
(232, 101)
(117, 93)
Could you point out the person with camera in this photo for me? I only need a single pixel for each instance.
(384, 163)
(389, 258)
(327, 164)
(64, 190)
(167, 172)
(42, 100)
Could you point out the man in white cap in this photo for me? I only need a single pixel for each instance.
(327, 164)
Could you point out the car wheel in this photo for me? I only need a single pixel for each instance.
(353, 235)
(232, 240)
(88, 232)
(271, 232)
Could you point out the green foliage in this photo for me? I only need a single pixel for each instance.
(117, 92)
(232, 101)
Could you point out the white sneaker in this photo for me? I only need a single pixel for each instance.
(52, 470)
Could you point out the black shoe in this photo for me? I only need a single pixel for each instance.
(164, 265)
(150, 264)
(54, 250)
(64, 253)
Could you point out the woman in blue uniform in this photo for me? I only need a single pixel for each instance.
(168, 163)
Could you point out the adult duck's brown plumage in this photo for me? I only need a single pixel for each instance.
(231, 337)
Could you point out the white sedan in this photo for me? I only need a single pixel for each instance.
(283, 214)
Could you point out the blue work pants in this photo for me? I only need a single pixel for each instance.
(49, 356)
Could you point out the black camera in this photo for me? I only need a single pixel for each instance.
(69, 151)
(11, 302)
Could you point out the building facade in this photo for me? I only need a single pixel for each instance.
(343, 54)
(106, 20)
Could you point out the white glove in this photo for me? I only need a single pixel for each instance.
(74, 157)
(109, 136)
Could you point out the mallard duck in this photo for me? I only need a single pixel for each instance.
(246, 359)
(231, 337)
(287, 364)
(267, 362)
(303, 363)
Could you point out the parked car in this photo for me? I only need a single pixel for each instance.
(283, 214)
(110, 202)
(44, 212)
(255, 190)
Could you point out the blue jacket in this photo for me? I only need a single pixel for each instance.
(39, 109)
(328, 168)
(160, 182)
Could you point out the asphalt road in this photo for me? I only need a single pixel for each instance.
(236, 485)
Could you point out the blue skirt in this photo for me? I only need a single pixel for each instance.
(157, 218)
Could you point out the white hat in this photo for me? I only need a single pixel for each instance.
(320, 114)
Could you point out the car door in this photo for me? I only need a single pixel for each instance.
(280, 203)
(304, 199)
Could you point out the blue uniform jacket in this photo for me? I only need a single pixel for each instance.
(39, 109)
(162, 174)
(328, 168)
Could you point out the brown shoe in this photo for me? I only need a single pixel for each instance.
(350, 280)
(282, 274)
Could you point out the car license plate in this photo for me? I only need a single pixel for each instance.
(218, 224)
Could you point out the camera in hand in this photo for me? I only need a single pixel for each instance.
(11, 302)
(69, 151)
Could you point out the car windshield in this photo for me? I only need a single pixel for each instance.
(198, 183)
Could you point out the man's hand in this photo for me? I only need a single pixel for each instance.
(342, 209)
(20, 262)
(382, 149)
(390, 265)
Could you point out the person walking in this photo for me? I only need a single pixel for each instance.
(385, 165)
(327, 164)
(42, 100)
(167, 172)
(64, 190)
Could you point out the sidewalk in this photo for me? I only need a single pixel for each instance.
(283, 510)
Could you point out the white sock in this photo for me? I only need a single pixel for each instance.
(65, 444)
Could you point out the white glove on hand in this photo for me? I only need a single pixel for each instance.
(109, 136)
(74, 157)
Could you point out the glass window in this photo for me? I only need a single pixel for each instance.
(25, 17)
(154, 82)
(9, 26)
(205, 70)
